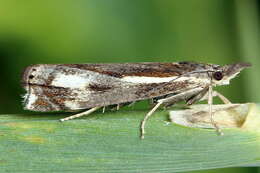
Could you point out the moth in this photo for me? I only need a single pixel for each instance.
(89, 87)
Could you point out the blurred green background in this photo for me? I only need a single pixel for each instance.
(86, 31)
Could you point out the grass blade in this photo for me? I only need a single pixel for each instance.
(110, 143)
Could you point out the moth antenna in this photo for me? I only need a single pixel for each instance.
(199, 71)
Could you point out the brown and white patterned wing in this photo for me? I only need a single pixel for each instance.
(81, 86)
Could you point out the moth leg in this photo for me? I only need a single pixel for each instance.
(217, 94)
(131, 104)
(116, 107)
(80, 114)
(104, 109)
(151, 101)
(210, 102)
(155, 100)
(222, 98)
(171, 99)
(198, 97)
(147, 116)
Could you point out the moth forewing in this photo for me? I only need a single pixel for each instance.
(77, 87)
(70, 87)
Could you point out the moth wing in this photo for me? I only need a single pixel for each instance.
(72, 87)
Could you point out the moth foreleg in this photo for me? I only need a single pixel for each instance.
(80, 114)
(210, 102)
(217, 94)
(222, 98)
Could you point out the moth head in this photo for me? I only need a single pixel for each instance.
(221, 75)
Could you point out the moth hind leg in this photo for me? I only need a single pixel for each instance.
(146, 118)
(80, 114)
(171, 100)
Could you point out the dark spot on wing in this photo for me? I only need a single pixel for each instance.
(49, 80)
(99, 87)
(111, 73)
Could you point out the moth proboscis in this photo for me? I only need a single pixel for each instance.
(77, 87)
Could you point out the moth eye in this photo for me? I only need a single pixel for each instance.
(218, 75)
(31, 76)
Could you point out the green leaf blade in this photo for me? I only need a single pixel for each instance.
(110, 142)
